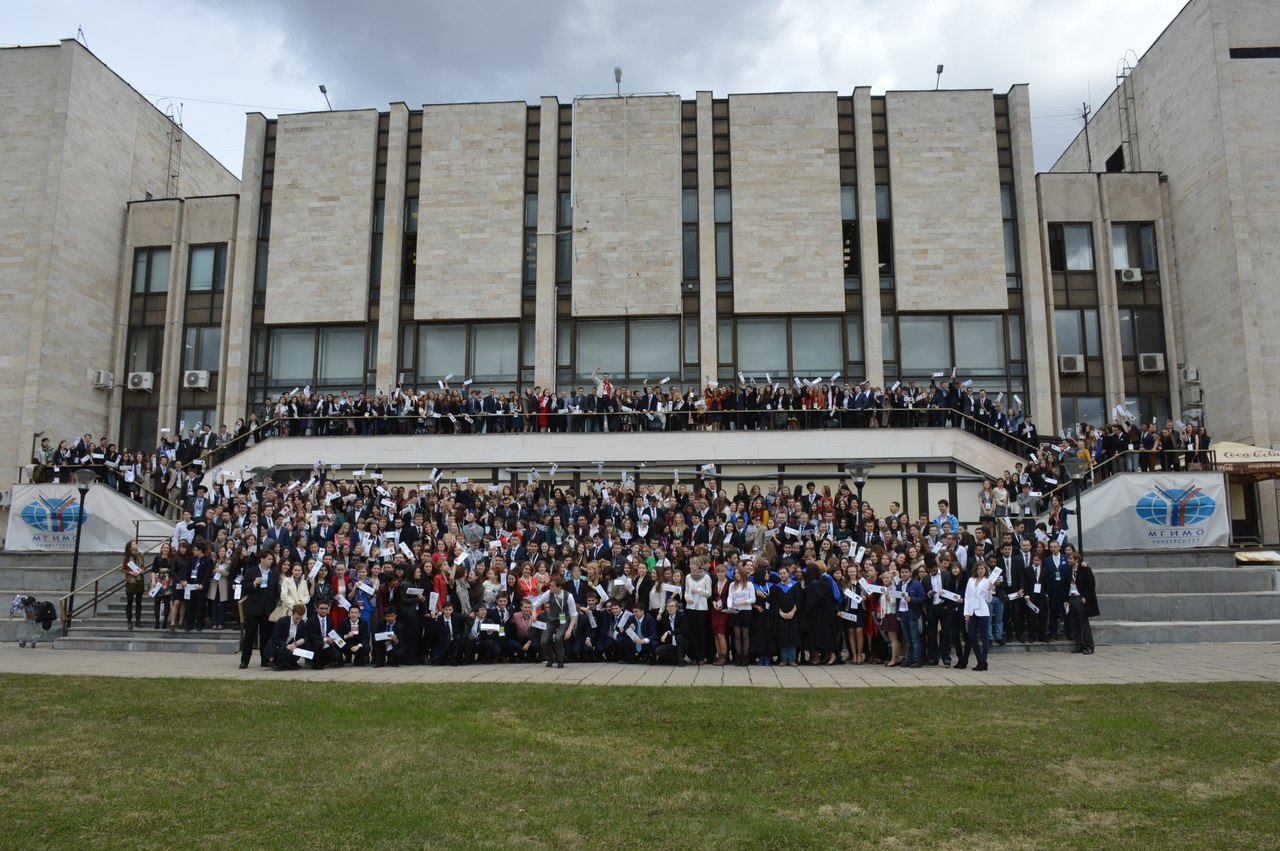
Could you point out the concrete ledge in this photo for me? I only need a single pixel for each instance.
(1186, 580)
(1185, 632)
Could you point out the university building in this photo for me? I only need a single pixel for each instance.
(880, 236)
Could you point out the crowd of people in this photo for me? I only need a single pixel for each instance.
(357, 571)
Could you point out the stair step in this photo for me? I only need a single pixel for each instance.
(1182, 580)
(1204, 607)
(76, 641)
(1185, 632)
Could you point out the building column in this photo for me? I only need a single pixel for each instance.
(545, 305)
(171, 358)
(238, 301)
(392, 247)
(1108, 303)
(708, 327)
(868, 246)
(1037, 298)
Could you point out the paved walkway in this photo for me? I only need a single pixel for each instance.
(1113, 664)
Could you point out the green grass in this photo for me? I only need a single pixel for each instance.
(99, 763)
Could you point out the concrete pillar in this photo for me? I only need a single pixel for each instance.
(392, 247)
(708, 339)
(170, 378)
(544, 305)
(1108, 305)
(238, 302)
(864, 154)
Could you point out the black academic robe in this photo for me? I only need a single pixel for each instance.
(787, 631)
(821, 633)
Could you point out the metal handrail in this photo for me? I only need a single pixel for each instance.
(98, 593)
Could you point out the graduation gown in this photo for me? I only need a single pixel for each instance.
(787, 632)
(821, 633)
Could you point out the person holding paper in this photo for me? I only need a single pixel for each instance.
(219, 588)
(327, 652)
(673, 635)
(1082, 602)
(294, 590)
(1035, 586)
(195, 582)
(162, 583)
(261, 590)
(742, 597)
(131, 567)
(977, 613)
(1055, 568)
(290, 634)
(356, 637)
(388, 643)
(561, 616)
(642, 632)
(720, 612)
(954, 582)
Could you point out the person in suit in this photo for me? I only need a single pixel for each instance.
(318, 640)
(290, 634)
(615, 645)
(673, 635)
(390, 650)
(646, 630)
(562, 619)
(199, 503)
(1056, 570)
(1082, 602)
(195, 584)
(260, 589)
(448, 633)
(503, 613)
(356, 637)
(479, 644)
(1035, 591)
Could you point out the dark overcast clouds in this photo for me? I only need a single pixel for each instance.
(270, 55)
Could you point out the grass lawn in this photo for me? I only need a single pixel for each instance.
(98, 763)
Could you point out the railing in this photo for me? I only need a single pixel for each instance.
(100, 592)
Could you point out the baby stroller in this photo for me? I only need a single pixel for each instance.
(37, 617)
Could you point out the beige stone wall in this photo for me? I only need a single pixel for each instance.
(239, 300)
(948, 242)
(322, 217)
(80, 144)
(471, 211)
(786, 203)
(626, 218)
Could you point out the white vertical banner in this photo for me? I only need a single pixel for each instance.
(1154, 511)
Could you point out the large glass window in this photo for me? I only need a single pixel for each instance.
(979, 343)
(143, 351)
(816, 345)
(884, 230)
(494, 351)
(341, 356)
(151, 270)
(442, 350)
(202, 348)
(292, 355)
(207, 269)
(1077, 331)
(654, 347)
(1141, 331)
(600, 345)
(853, 331)
(762, 345)
(926, 343)
(1070, 248)
(1133, 246)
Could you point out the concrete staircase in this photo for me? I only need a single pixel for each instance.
(109, 631)
(45, 576)
(1184, 597)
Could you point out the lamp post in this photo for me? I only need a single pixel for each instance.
(84, 479)
(858, 471)
(1078, 470)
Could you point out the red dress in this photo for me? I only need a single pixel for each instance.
(720, 616)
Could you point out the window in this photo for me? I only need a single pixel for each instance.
(926, 343)
(411, 215)
(763, 345)
(979, 342)
(292, 355)
(884, 230)
(1082, 409)
(530, 239)
(143, 351)
(724, 342)
(807, 346)
(1070, 248)
(202, 348)
(341, 357)
(849, 219)
(1141, 331)
(598, 347)
(853, 336)
(1133, 246)
(207, 268)
(816, 345)
(486, 352)
(689, 232)
(151, 270)
(1077, 332)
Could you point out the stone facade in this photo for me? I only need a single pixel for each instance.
(322, 217)
(626, 216)
(786, 203)
(471, 211)
(80, 144)
(948, 244)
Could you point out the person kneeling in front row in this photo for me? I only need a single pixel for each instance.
(290, 634)
(355, 637)
(390, 648)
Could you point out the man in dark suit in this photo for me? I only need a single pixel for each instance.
(1035, 590)
(699, 534)
(479, 643)
(448, 630)
(196, 584)
(1055, 567)
(1082, 600)
(390, 649)
(615, 644)
(199, 503)
(318, 640)
(355, 636)
(646, 629)
(673, 635)
(260, 588)
(290, 634)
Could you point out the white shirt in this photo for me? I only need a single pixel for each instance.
(742, 599)
(697, 592)
(977, 594)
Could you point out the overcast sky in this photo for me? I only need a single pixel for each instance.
(223, 58)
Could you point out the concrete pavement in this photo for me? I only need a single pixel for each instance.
(1179, 663)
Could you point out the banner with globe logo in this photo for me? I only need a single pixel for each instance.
(1157, 511)
(45, 518)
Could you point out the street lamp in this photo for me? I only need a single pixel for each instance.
(1078, 470)
(84, 479)
(858, 471)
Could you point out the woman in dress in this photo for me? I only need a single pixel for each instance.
(162, 575)
(181, 567)
(132, 567)
(741, 597)
(720, 614)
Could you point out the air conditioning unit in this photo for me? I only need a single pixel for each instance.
(141, 381)
(1130, 276)
(196, 379)
(1194, 397)
(1150, 363)
(1190, 375)
(103, 380)
(1071, 364)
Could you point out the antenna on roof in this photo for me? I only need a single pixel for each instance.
(80, 37)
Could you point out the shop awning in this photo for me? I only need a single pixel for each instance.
(1240, 459)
